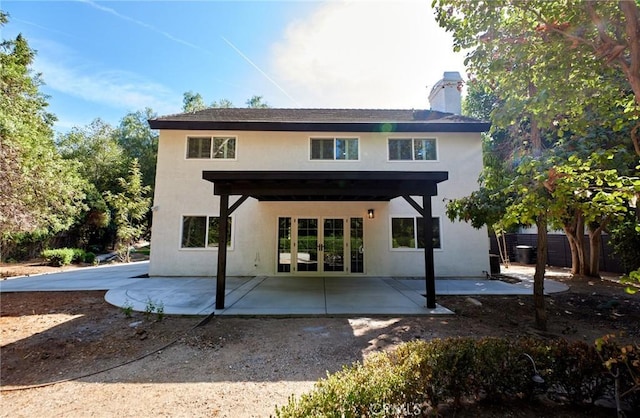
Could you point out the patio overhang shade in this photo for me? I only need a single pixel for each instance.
(325, 186)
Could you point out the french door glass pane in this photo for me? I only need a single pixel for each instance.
(333, 244)
(357, 245)
(307, 259)
(284, 245)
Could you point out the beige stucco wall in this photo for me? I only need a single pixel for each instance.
(181, 191)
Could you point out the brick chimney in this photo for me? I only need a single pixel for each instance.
(446, 94)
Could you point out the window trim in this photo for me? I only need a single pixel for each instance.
(207, 247)
(415, 232)
(211, 149)
(334, 159)
(413, 157)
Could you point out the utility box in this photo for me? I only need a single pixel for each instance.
(525, 254)
(494, 264)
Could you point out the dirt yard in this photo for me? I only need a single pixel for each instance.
(243, 367)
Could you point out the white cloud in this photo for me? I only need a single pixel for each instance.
(118, 89)
(364, 54)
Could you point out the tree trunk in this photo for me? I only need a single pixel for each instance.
(595, 242)
(575, 236)
(631, 69)
(538, 278)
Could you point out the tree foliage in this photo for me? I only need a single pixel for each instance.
(555, 59)
(138, 141)
(257, 102)
(39, 189)
(192, 102)
(131, 205)
(94, 146)
(558, 70)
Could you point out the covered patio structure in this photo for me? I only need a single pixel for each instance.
(325, 186)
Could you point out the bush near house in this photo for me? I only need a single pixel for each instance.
(419, 376)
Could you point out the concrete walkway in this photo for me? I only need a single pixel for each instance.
(267, 295)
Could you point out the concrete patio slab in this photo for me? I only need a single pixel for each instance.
(286, 296)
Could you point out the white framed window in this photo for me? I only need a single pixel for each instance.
(199, 147)
(224, 147)
(202, 232)
(412, 149)
(407, 232)
(334, 149)
(208, 147)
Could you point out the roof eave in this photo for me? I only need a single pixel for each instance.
(319, 126)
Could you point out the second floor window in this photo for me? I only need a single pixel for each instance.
(205, 147)
(334, 148)
(412, 149)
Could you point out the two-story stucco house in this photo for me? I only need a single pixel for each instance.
(346, 192)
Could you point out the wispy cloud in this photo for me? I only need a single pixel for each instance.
(272, 81)
(66, 72)
(117, 89)
(187, 43)
(144, 25)
(35, 25)
(364, 54)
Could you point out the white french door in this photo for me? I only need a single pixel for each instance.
(320, 245)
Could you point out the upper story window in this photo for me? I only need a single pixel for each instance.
(334, 148)
(412, 149)
(219, 147)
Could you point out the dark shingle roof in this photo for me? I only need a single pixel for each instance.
(350, 120)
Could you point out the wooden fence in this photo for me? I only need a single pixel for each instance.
(558, 252)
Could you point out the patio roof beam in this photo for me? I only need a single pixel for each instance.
(415, 204)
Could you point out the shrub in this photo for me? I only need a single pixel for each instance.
(58, 257)
(78, 255)
(65, 256)
(419, 376)
(89, 257)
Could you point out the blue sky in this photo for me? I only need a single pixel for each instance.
(106, 58)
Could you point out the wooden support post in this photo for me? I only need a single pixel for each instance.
(223, 227)
(429, 272)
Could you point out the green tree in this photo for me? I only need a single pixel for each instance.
(556, 59)
(192, 102)
(102, 160)
(39, 190)
(130, 207)
(222, 103)
(139, 142)
(256, 102)
(546, 84)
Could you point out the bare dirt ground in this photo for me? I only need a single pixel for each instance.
(243, 367)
